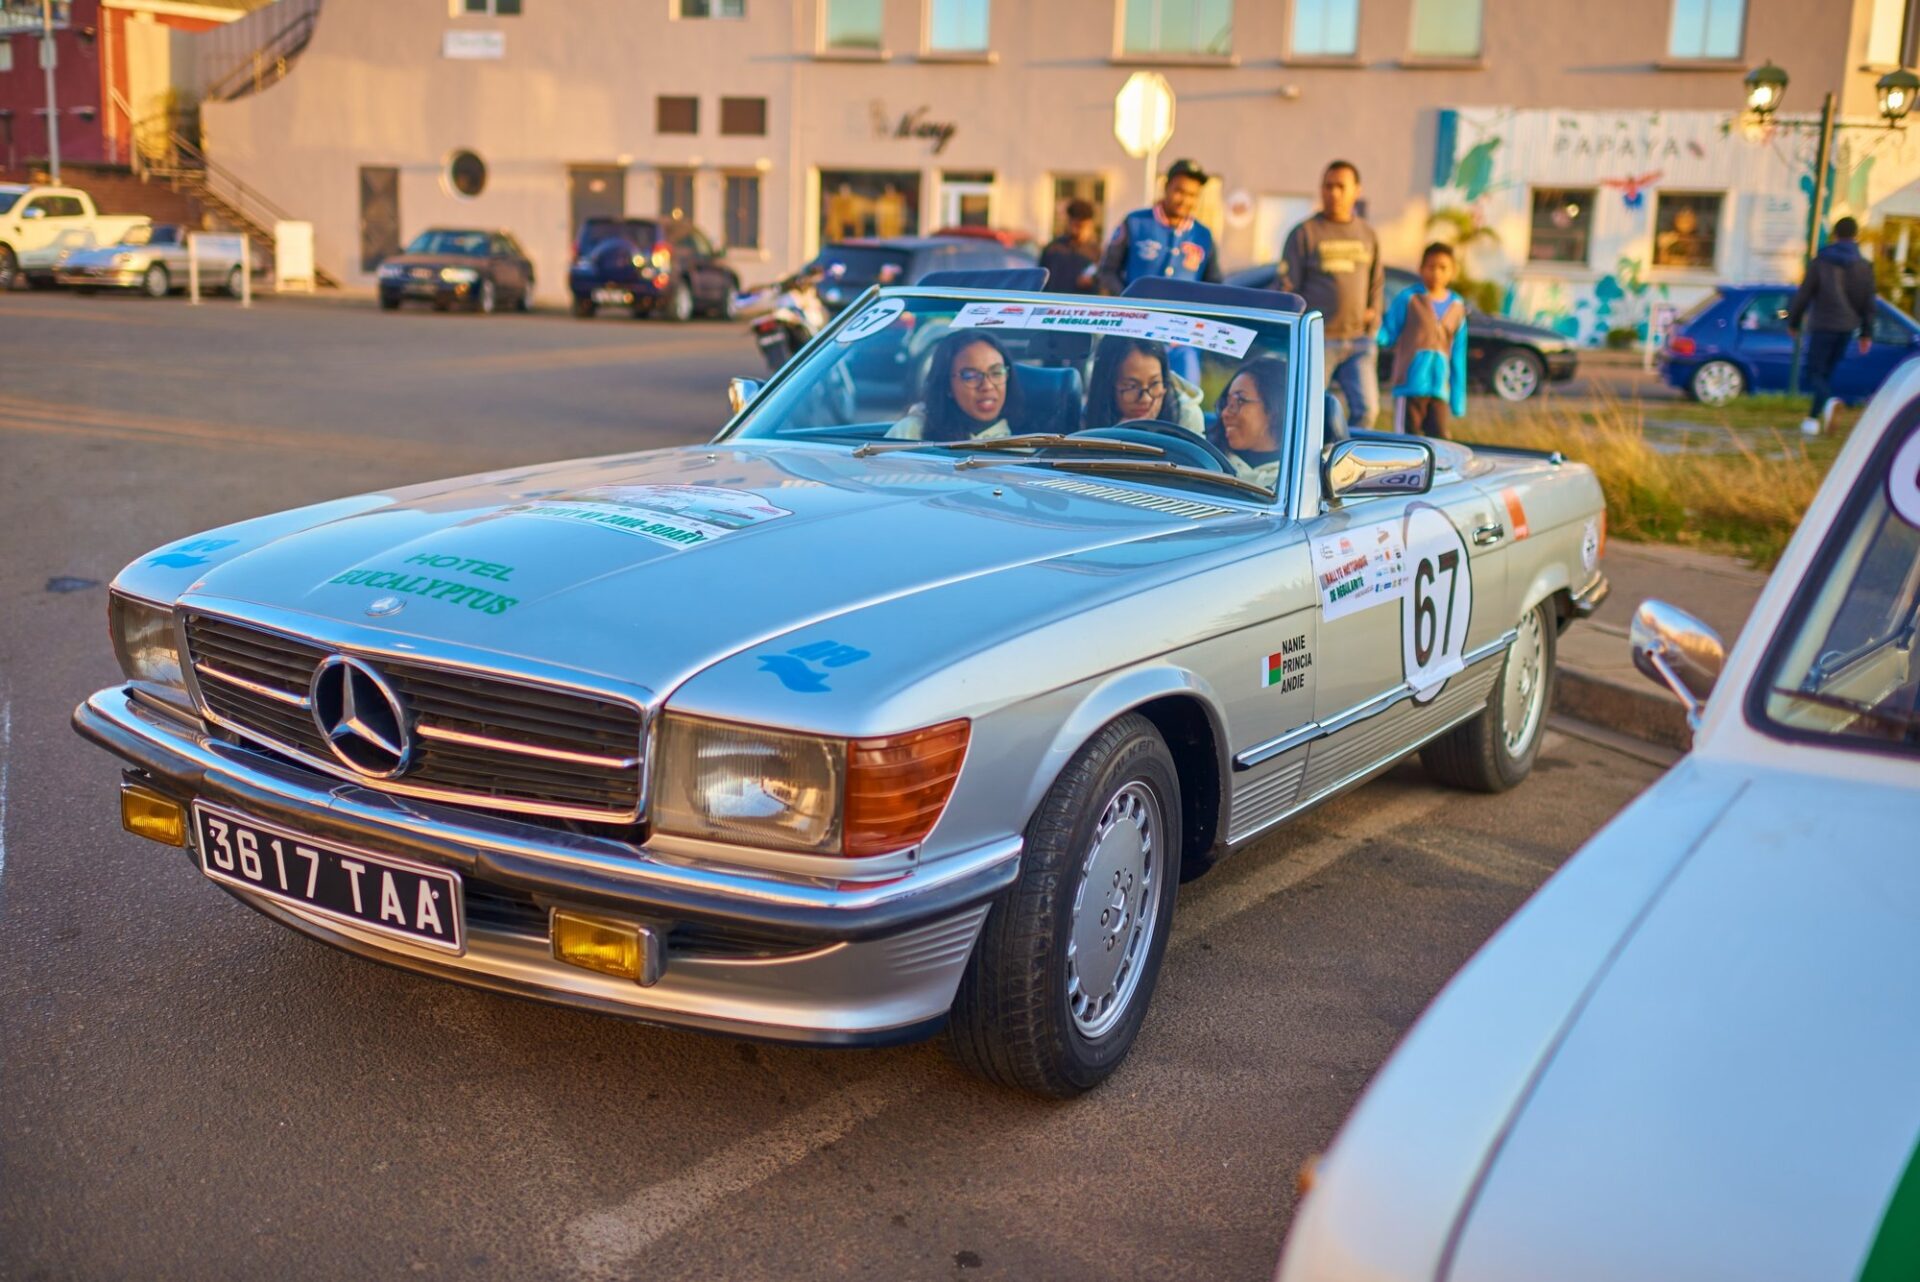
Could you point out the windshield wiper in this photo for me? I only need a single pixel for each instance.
(1904, 722)
(1135, 467)
(1032, 441)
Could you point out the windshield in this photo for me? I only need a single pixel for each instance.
(472, 244)
(10, 196)
(1843, 670)
(1147, 390)
(859, 266)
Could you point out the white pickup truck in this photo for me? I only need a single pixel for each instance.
(38, 224)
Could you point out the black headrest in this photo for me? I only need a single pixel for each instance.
(1161, 289)
(1050, 398)
(1030, 279)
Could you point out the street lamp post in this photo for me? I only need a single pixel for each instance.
(48, 57)
(1766, 86)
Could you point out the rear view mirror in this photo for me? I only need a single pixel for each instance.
(740, 391)
(1678, 651)
(1357, 468)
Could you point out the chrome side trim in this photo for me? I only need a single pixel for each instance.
(205, 669)
(427, 730)
(1373, 707)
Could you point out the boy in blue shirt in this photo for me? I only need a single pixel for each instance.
(1426, 329)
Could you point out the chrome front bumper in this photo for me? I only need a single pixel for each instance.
(1588, 599)
(838, 963)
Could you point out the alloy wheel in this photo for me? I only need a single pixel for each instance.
(1523, 701)
(1115, 908)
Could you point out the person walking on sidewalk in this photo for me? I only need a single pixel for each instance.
(1426, 329)
(1163, 239)
(1835, 303)
(1333, 261)
(1072, 258)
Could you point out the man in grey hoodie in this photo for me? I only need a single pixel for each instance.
(1835, 303)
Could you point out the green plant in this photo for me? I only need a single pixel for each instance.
(1621, 337)
(1462, 228)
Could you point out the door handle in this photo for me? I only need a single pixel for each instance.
(1488, 534)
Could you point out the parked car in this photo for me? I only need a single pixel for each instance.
(1509, 358)
(38, 223)
(1691, 1054)
(459, 267)
(653, 266)
(942, 758)
(151, 258)
(1736, 341)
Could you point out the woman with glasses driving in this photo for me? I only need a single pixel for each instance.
(1131, 380)
(1249, 423)
(969, 393)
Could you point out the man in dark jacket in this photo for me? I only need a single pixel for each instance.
(1835, 303)
(1163, 239)
(1073, 257)
(1333, 261)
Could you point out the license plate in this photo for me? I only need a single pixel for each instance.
(397, 897)
(612, 297)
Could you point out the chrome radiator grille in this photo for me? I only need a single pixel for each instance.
(479, 739)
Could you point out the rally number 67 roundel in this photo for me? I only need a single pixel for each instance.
(1437, 610)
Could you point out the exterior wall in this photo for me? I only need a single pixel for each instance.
(23, 94)
(578, 80)
(123, 104)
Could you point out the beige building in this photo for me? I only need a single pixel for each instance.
(779, 123)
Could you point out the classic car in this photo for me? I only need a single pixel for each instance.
(1690, 1055)
(823, 733)
(459, 267)
(152, 258)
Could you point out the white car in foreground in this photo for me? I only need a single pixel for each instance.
(1695, 1053)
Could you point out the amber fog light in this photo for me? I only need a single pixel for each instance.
(145, 813)
(619, 948)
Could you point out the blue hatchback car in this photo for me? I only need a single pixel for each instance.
(1737, 342)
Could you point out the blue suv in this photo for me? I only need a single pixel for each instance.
(1737, 342)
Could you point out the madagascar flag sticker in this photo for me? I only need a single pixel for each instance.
(1288, 667)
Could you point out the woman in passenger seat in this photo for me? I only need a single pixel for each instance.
(969, 393)
(1249, 426)
(1131, 379)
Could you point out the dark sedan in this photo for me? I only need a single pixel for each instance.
(1509, 358)
(455, 267)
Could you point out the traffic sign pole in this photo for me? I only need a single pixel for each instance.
(47, 59)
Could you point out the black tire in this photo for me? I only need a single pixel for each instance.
(1477, 755)
(1012, 1020)
(678, 304)
(486, 298)
(9, 269)
(389, 302)
(1518, 375)
(234, 282)
(729, 308)
(523, 301)
(584, 308)
(156, 283)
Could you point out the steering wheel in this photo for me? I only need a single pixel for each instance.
(1153, 426)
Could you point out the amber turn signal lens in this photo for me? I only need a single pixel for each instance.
(898, 785)
(145, 813)
(617, 948)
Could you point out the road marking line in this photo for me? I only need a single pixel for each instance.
(605, 1241)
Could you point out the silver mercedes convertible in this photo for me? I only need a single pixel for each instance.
(907, 702)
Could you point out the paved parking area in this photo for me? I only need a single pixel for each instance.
(188, 1091)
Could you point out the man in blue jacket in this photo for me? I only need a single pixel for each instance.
(1835, 302)
(1164, 239)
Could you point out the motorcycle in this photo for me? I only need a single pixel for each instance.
(786, 316)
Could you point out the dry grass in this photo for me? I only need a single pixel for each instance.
(1726, 488)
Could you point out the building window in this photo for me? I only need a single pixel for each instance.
(966, 200)
(957, 26)
(489, 8)
(675, 115)
(743, 117)
(1886, 33)
(852, 25)
(676, 194)
(6, 56)
(713, 8)
(1562, 223)
(1706, 28)
(466, 174)
(861, 203)
(1446, 28)
(1326, 28)
(1686, 229)
(1091, 188)
(1202, 28)
(742, 228)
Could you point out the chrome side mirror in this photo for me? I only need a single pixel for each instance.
(740, 391)
(1357, 468)
(1680, 652)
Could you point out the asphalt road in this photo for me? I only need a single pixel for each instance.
(189, 1091)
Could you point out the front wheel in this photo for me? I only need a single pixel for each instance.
(584, 308)
(9, 269)
(1518, 375)
(156, 283)
(1060, 979)
(234, 282)
(488, 298)
(1495, 750)
(1717, 383)
(679, 303)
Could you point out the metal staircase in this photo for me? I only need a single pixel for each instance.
(269, 63)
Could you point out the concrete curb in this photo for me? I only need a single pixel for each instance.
(1640, 712)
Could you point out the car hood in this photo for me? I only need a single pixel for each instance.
(643, 569)
(1735, 1098)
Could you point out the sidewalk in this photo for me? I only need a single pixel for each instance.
(1597, 682)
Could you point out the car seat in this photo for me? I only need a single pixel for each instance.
(1050, 398)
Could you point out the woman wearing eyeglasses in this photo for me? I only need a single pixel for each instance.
(969, 394)
(1250, 409)
(1130, 379)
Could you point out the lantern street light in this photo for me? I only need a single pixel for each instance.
(1766, 87)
